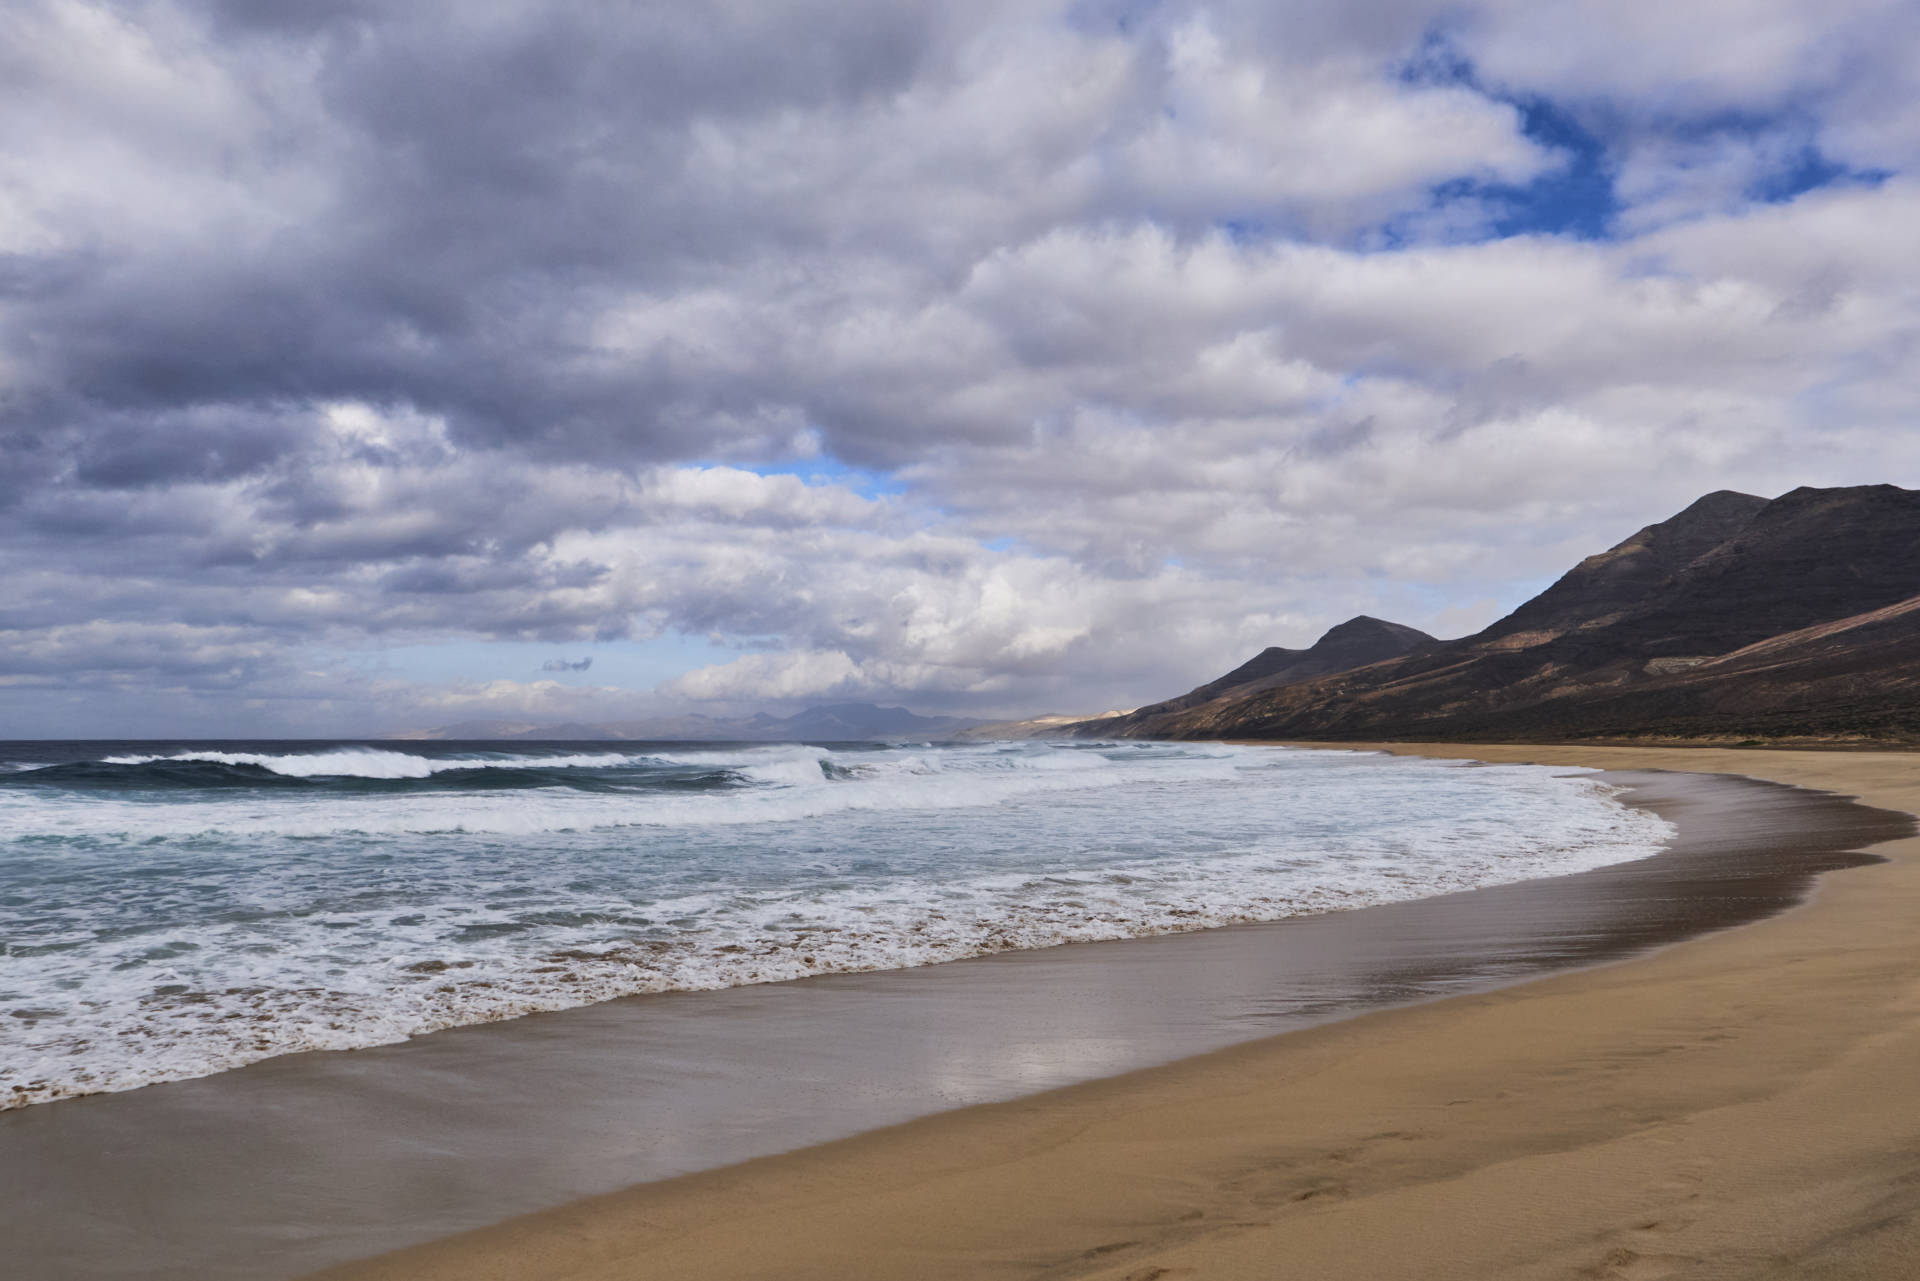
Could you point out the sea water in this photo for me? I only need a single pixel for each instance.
(172, 910)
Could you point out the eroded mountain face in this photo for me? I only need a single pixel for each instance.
(1739, 617)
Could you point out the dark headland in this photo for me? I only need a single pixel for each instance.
(1795, 620)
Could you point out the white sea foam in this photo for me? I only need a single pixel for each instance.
(374, 763)
(174, 937)
(796, 784)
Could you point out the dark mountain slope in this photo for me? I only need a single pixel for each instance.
(1348, 645)
(1810, 556)
(1613, 582)
(1738, 617)
(1354, 643)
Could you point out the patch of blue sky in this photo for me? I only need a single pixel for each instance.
(625, 664)
(826, 470)
(1343, 389)
(1574, 198)
(1577, 198)
(1123, 16)
(1244, 231)
(1802, 165)
(1809, 170)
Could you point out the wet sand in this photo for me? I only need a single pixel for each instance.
(297, 1162)
(1744, 1105)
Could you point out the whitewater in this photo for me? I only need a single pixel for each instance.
(173, 910)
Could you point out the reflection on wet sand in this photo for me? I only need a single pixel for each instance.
(294, 1163)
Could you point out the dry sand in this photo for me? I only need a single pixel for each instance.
(1741, 1105)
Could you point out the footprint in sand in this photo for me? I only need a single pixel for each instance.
(1630, 1265)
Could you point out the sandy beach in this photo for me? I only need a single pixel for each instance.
(1739, 1105)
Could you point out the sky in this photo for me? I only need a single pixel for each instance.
(369, 367)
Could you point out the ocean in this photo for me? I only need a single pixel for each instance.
(171, 910)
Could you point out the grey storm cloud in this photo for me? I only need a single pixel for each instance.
(992, 356)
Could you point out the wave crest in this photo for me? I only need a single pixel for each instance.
(370, 762)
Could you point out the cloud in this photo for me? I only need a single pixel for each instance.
(565, 665)
(987, 357)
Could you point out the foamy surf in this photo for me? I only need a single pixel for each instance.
(370, 762)
(173, 913)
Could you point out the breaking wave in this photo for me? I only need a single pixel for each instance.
(172, 913)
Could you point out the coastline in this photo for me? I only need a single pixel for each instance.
(1737, 1106)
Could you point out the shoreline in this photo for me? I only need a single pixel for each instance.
(308, 1155)
(771, 864)
(1730, 1107)
(1661, 1116)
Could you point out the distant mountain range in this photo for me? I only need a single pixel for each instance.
(1047, 725)
(1739, 618)
(831, 723)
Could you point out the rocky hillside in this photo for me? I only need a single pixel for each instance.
(1354, 643)
(1795, 618)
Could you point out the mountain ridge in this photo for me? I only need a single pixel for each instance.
(1738, 617)
(1355, 643)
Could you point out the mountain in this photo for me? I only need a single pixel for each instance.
(832, 723)
(1046, 725)
(1740, 617)
(846, 722)
(1611, 584)
(1354, 643)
